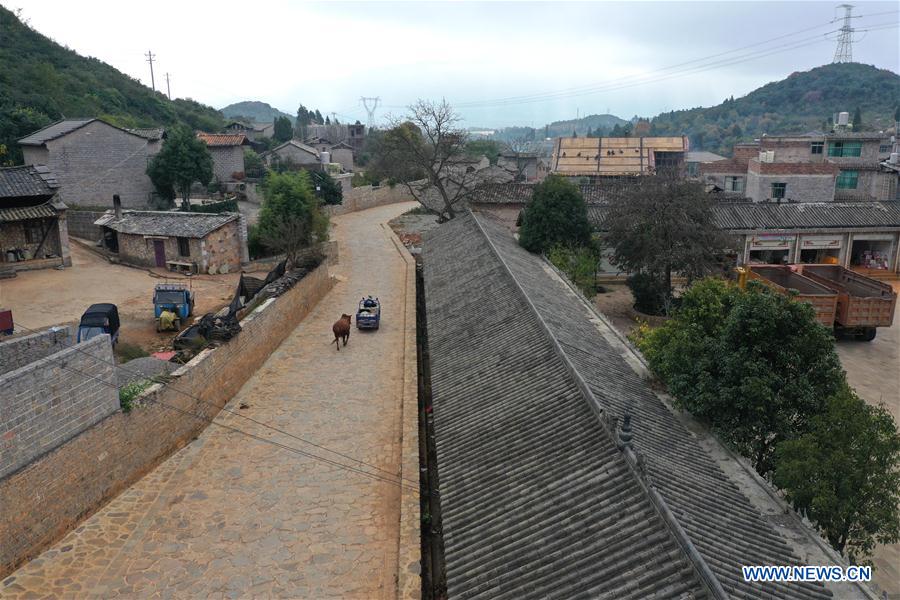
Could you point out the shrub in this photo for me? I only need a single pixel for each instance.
(651, 295)
(556, 215)
(129, 392)
(126, 352)
(579, 264)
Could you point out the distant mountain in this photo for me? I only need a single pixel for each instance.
(41, 82)
(254, 111)
(803, 102)
(604, 123)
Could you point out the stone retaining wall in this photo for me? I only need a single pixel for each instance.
(49, 497)
(363, 197)
(81, 224)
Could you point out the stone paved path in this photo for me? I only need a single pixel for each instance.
(232, 517)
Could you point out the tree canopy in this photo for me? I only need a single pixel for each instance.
(326, 188)
(291, 217)
(282, 130)
(556, 215)
(182, 160)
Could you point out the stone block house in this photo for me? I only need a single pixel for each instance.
(293, 153)
(227, 150)
(207, 243)
(33, 233)
(790, 182)
(94, 160)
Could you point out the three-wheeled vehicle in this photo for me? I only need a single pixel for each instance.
(99, 319)
(176, 300)
(368, 316)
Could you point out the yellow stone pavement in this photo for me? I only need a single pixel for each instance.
(229, 516)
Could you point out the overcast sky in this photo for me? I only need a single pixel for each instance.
(327, 55)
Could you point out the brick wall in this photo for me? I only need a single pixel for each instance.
(227, 160)
(81, 224)
(52, 399)
(800, 188)
(56, 492)
(366, 196)
(20, 351)
(96, 161)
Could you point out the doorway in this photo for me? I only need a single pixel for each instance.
(159, 250)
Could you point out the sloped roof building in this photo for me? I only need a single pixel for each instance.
(545, 492)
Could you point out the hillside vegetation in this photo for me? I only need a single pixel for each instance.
(803, 102)
(42, 82)
(255, 112)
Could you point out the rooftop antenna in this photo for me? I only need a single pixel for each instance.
(371, 111)
(844, 51)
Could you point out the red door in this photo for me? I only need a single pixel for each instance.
(160, 250)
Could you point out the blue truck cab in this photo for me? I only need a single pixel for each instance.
(368, 316)
(175, 298)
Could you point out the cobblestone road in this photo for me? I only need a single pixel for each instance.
(229, 516)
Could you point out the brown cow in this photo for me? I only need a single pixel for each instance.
(341, 329)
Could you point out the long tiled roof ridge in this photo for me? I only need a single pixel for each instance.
(632, 458)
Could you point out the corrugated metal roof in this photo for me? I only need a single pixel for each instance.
(702, 156)
(23, 213)
(535, 497)
(171, 224)
(223, 139)
(53, 131)
(27, 182)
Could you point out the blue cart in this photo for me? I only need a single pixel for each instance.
(369, 314)
(174, 298)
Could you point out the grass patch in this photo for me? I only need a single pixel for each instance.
(129, 392)
(126, 352)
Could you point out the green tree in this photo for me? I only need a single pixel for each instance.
(844, 474)
(282, 131)
(556, 215)
(755, 364)
(327, 189)
(182, 160)
(291, 217)
(857, 120)
(663, 224)
(253, 164)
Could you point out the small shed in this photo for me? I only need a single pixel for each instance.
(196, 242)
(33, 231)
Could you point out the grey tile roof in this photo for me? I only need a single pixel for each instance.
(537, 501)
(149, 133)
(172, 224)
(53, 131)
(739, 216)
(27, 182)
(23, 213)
(506, 193)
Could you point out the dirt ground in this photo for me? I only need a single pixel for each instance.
(48, 297)
(616, 304)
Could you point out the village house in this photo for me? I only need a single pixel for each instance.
(253, 131)
(562, 473)
(93, 160)
(33, 232)
(342, 154)
(617, 156)
(694, 159)
(227, 150)
(525, 165)
(193, 242)
(293, 153)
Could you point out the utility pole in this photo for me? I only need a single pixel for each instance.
(844, 51)
(150, 57)
(371, 111)
(168, 89)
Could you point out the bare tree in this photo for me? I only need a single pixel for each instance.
(289, 237)
(426, 151)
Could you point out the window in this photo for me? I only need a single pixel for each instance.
(34, 231)
(847, 180)
(184, 247)
(884, 148)
(816, 147)
(734, 184)
(779, 190)
(845, 149)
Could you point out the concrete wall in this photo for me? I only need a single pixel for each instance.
(50, 400)
(800, 188)
(96, 161)
(81, 224)
(57, 491)
(363, 197)
(226, 161)
(20, 351)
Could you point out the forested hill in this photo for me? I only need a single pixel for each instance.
(41, 82)
(255, 112)
(803, 102)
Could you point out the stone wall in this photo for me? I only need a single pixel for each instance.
(800, 188)
(363, 197)
(224, 246)
(81, 224)
(56, 492)
(96, 161)
(50, 400)
(18, 352)
(227, 160)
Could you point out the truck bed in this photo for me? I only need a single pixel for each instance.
(823, 298)
(862, 301)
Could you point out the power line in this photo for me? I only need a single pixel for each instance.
(150, 56)
(844, 51)
(236, 413)
(371, 111)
